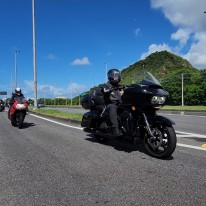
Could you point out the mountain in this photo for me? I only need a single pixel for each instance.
(162, 64)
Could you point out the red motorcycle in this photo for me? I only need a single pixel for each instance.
(17, 112)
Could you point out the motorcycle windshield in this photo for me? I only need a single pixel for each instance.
(20, 99)
(145, 77)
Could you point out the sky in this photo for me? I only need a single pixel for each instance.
(78, 41)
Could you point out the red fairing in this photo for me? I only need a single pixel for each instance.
(14, 107)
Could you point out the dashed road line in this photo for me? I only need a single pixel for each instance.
(191, 135)
(204, 146)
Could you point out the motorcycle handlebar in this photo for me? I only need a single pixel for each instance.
(118, 88)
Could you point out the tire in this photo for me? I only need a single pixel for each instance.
(13, 120)
(100, 139)
(165, 143)
(20, 119)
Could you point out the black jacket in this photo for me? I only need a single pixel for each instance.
(111, 94)
(13, 97)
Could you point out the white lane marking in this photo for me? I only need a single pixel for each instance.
(186, 134)
(181, 145)
(186, 115)
(49, 120)
(190, 146)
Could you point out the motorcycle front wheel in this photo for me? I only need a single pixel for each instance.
(164, 143)
(20, 119)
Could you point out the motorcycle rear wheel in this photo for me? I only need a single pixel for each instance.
(165, 143)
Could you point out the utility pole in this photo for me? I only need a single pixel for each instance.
(106, 72)
(15, 66)
(34, 54)
(182, 89)
(71, 93)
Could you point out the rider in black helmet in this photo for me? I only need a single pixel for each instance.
(112, 98)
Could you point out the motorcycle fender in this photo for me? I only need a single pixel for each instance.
(163, 120)
(11, 111)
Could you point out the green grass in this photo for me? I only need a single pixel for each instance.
(57, 113)
(185, 108)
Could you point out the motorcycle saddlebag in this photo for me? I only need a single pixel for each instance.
(87, 102)
(90, 120)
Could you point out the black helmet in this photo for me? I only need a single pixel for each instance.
(18, 91)
(114, 76)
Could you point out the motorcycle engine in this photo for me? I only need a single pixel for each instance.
(104, 126)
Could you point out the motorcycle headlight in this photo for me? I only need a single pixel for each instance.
(158, 100)
(20, 106)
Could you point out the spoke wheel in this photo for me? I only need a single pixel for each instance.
(164, 143)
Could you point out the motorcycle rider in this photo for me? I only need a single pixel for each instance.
(2, 105)
(112, 98)
(1, 101)
(17, 93)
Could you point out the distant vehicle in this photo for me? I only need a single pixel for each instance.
(40, 105)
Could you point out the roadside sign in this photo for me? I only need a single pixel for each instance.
(3, 93)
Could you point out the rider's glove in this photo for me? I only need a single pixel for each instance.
(107, 90)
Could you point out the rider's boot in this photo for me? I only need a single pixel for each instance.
(117, 132)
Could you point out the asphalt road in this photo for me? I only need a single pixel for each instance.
(52, 163)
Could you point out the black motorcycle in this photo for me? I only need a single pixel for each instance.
(137, 117)
(2, 106)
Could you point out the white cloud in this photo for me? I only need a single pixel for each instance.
(189, 18)
(137, 31)
(109, 53)
(51, 91)
(83, 61)
(154, 47)
(197, 52)
(51, 57)
(75, 89)
(182, 35)
(29, 85)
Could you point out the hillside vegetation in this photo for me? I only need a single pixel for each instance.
(171, 71)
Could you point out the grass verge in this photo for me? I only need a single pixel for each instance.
(57, 113)
(185, 108)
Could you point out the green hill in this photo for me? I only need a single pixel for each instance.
(162, 64)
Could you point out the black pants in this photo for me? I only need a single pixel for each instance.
(112, 110)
